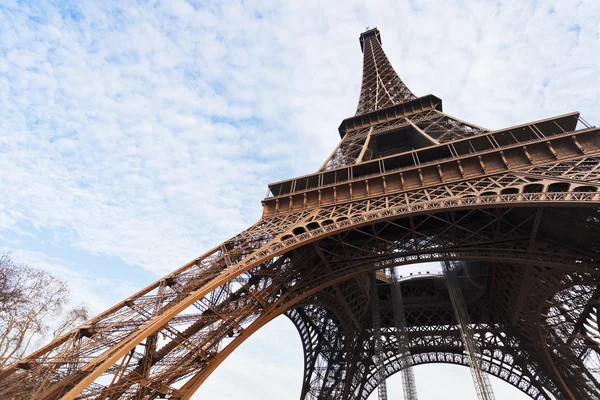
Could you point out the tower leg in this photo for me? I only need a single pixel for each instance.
(480, 378)
(324, 352)
(409, 387)
(378, 357)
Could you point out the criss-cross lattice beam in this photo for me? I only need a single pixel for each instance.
(378, 358)
(229, 308)
(324, 352)
(480, 379)
(409, 386)
(381, 86)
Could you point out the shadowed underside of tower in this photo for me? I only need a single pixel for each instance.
(513, 214)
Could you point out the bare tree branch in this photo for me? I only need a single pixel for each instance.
(29, 301)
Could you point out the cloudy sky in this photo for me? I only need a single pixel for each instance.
(134, 136)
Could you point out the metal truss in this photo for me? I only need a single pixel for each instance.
(196, 332)
(518, 208)
(483, 388)
(409, 387)
(438, 339)
(381, 86)
(324, 356)
(436, 126)
(378, 359)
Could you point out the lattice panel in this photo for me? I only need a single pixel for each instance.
(381, 86)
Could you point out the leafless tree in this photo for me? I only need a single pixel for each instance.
(32, 303)
(74, 317)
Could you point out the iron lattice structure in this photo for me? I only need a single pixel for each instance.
(515, 210)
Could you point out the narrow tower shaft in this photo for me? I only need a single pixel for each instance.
(378, 357)
(409, 386)
(381, 86)
(480, 378)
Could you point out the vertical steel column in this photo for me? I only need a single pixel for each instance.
(378, 356)
(480, 379)
(409, 387)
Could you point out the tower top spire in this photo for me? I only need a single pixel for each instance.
(367, 34)
(381, 86)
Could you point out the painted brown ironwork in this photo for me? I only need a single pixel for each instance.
(381, 86)
(517, 208)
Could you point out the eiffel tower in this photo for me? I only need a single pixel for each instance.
(512, 214)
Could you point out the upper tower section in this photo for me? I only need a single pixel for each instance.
(381, 86)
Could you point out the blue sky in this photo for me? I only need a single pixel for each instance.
(134, 136)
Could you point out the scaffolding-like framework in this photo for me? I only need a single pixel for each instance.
(517, 209)
(483, 388)
(409, 387)
(378, 356)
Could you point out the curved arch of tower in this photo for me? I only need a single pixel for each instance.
(513, 214)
